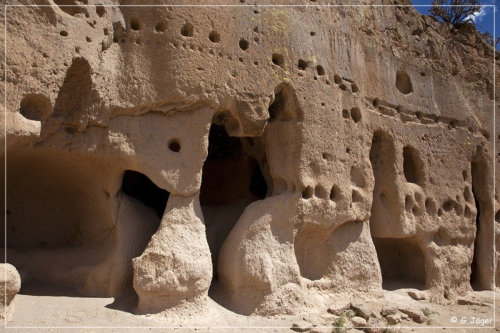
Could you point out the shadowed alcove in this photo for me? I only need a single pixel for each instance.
(140, 187)
(232, 179)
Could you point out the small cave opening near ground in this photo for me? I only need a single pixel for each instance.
(401, 262)
(232, 179)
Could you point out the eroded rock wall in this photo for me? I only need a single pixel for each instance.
(365, 133)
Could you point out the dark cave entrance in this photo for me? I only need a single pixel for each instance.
(401, 262)
(232, 179)
(482, 260)
(140, 187)
(474, 266)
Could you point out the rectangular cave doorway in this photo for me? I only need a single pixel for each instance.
(232, 179)
(401, 262)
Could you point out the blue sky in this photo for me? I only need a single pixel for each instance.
(483, 20)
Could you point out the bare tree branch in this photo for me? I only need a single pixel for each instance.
(455, 12)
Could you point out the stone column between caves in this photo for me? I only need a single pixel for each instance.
(176, 265)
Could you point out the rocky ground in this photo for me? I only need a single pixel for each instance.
(399, 310)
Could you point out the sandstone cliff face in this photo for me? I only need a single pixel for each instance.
(282, 153)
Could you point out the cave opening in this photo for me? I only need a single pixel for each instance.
(401, 262)
(482, 259)
(232, 179)
(63, 236)
(140, 187)
(412, 166)
(59, 214)
(474, 267)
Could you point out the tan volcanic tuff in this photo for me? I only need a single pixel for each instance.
(276, 156)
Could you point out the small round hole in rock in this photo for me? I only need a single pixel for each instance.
(334, 192)
(214, 36)
(243, 44)
(430, 206)
(88, 39)
(187, 30)
(302, 64)
(356, 115)
(63, 33)
(100, 10)
(277, 59)
(354, 88)
(160, 26)
(308, 192)
(448, 205)
(134, 24)
(321, 70)
(345, 113)
(376, 102)
(337, 79)
(403, 83)
(174, 145)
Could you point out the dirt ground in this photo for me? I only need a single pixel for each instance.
(60, 310)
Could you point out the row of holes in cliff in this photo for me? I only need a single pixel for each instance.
(403, 82)
(187, 30)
